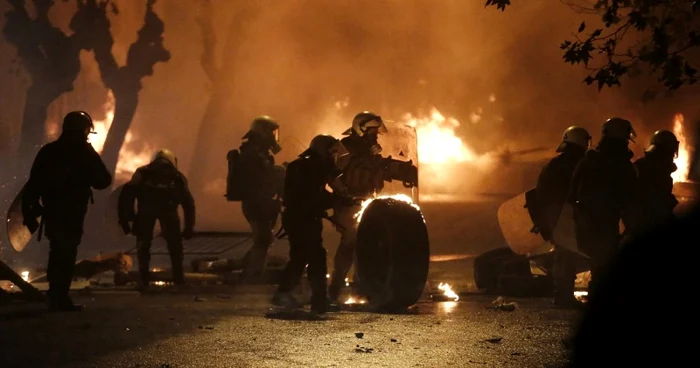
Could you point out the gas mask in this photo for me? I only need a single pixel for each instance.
(275, 147)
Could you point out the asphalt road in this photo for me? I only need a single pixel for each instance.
(228, 327)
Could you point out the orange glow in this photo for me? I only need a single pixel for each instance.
(683, 159)
(437, 140)
(129, 159)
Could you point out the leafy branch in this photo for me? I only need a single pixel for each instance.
(657, 35)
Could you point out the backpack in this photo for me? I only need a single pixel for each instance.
(235, 183)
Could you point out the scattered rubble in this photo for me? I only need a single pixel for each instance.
(495, 340)
(362, 349)
(501, 305)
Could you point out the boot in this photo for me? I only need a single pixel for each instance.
(64, 304)
(285, 300)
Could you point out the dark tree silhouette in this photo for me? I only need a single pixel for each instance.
(660, 37)
(51, 58)
(220, 77)
(92, 24)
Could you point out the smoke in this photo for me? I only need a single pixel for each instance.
(296, 59)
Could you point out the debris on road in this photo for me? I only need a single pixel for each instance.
(494, 340)
(206, 327)
(394, 340)
(500, 304)
(359, 335)
(198, 299)
(362, 349)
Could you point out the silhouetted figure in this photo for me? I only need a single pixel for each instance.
(261, 201)
(642, 313)
(305, 203)
(59, 188)
(656, 199)
(551, 192)
(159, 189)
(603, 192)
(362, 177)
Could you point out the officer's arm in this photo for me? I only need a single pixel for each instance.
(101, 177)
(579, 172)
(32, 189)
(127, 198)
(188, 206)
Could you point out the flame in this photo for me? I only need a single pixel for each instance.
(25, 276)
(683, 159)
(580, 295)
(437, 141)
(129, 159)
(398, 197)
(447, 290)
(354, 300)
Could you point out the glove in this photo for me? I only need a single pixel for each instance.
(188, 234)
(32, 224)
(126, 228)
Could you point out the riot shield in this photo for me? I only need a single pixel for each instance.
(564, 233)
(400, 142)
(516, 225)
(111, 218)
(17, 234)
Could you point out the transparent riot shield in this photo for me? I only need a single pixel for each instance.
(400, 142)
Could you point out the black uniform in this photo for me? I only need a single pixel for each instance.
(362, 176)
(61, 177)
(603, 191)
(159, 188)
(305, 203)
(262, 204)
(656, 199)
(552, 190)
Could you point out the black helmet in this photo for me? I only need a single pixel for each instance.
(77, 121)
(664, 140)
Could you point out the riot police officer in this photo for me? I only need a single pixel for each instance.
(551, 192)
(159, 188)
(305, 203)
(603, 192)
(262, 202)
(363, 175)
(63, 173)
(655, 182)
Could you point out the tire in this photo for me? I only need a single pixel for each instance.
(393, 254)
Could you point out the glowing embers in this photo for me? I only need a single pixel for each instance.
(398, 197)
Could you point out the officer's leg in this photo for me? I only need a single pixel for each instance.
(257, 215)
(317, 268)
(298, 259)
(64, 233)
(564, 271)
(262, 239)
(145, 223)
(170, 223)
(345, 254)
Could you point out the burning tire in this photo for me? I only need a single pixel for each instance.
(393, 254)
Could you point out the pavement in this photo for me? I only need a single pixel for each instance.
(226, 326)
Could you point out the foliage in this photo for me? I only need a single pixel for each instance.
(659, 36)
